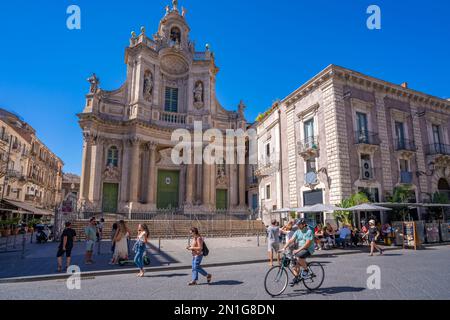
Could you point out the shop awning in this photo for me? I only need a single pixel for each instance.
(29, 208)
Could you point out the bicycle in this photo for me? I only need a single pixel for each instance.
(277, 278)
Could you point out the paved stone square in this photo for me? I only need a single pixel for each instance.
(405, 275)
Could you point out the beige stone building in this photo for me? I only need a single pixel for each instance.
(127, 165)
(347, 132)
(30, 174)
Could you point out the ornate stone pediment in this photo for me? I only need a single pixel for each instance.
(165, 158)
(111, 173)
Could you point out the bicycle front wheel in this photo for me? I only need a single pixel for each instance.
(316, 276)
(276, 281)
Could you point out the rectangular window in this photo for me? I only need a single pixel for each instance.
(362, 122)
(404, 165)
(311, 165)
(268, 150)
(268, 196)
(309, 130)
(436, 134)
(171, 99)
(400, 133)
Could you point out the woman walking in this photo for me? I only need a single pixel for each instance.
(141, 247)
(373, 235)
(120, 242)
(196, 248)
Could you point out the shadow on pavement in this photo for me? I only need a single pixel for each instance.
(173, 275)
(226, 283)
(324, 291)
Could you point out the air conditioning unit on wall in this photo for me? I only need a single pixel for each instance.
(366, 169)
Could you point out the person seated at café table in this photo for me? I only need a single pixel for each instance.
(319, 236)
(355, 237)
(344, 234)
(387, 233)
(330, 235)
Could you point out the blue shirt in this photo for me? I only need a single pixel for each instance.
(301, 236)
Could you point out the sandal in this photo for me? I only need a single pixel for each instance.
(209, 278)
(193, 283)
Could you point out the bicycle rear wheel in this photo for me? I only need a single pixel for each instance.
(276, 281)
(317, 276)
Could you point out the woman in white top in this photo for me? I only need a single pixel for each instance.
(140, 248)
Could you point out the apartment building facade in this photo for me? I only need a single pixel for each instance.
(30, 173)
(347, 132)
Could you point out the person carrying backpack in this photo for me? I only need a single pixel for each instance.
(199, 250)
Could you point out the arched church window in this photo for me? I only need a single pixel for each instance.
(175, 35)
(113, 157)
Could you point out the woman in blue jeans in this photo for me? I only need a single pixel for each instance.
(196, 248)
(141, 247)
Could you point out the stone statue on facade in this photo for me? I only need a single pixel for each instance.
(241, 109)
(148, 87)
(94, 81)
(198, 95)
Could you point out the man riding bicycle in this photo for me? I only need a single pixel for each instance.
(304, 237)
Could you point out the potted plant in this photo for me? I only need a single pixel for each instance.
(6, 231)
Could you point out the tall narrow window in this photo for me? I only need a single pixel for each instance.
(309, 132)
(171, 104)
(268, 196)
(362, 126)
(400, 133)
(437, 134)
(113, 157)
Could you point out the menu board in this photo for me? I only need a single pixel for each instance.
(410, 236)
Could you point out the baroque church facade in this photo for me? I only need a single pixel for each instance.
(127, 165)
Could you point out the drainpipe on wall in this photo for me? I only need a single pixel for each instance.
(281, 158)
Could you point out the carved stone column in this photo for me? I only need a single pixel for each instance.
(95, 182)
(85, 169)
(206, 184)
(125, 177)
(190, 184)
(242, 185)
(151, 190)
(213, 185)
(134, 170)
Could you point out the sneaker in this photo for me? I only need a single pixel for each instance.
(305, 275)
(193, 283)
(294, 282)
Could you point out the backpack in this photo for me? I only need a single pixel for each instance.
(205, 249)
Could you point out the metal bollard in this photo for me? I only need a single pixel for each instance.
(257, 239)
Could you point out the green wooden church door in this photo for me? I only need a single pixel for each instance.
(110, 197)
(168, 189)
(221, 199)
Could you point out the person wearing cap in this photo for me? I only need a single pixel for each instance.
(304, 238)
(273, 243)
(373, 235)
(66, 245)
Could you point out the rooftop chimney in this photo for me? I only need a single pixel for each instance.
(404, 85)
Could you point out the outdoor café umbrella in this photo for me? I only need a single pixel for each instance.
(319, 208)
(367, 207)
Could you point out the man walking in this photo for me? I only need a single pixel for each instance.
(65, 246)
(273, 242)
(91, 236)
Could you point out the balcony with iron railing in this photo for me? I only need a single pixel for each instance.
(405, 145)
(406, 177)
(367, 138)
(309, 147)
(438, 149)
(268, 164)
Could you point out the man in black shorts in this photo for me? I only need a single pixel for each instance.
(66, 245)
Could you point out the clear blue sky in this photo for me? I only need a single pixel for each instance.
(265, 50)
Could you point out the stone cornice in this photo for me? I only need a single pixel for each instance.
(336, 72)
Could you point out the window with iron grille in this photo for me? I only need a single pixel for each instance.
(171, 104)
